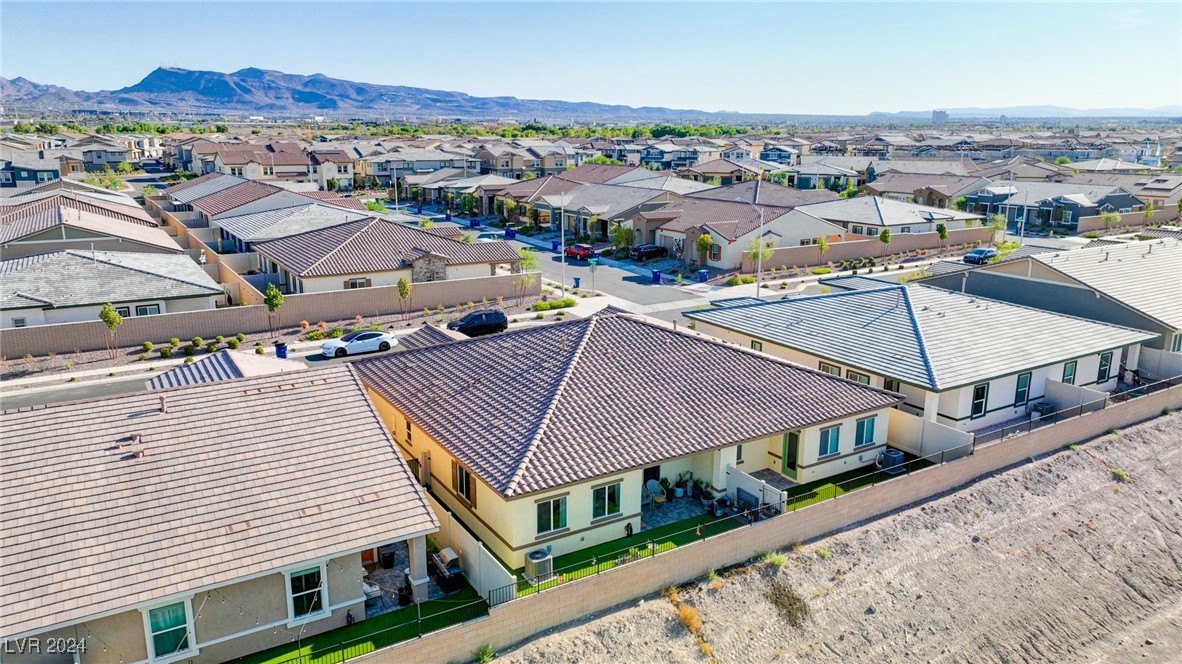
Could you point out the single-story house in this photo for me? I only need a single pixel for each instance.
(72, 286)
(869, 215)
(243, 230)
(961, 360)
(1051, 203)
(62, 220)
(1135, 284)
(553, 452)
(223, 365)
(940, 191)
(376, 252)
(199, 524)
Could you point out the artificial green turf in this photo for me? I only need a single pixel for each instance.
(815, 492)
(336, 645)
(605, 556)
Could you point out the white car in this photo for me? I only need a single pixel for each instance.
(362, 341)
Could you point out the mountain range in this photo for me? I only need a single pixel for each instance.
(270, 93)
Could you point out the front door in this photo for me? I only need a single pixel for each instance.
(791, 452)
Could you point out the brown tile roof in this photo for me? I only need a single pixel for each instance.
(335, 199)
(732, 219)
(77, 202)
(598, 173)
(766, 193)
(274, 480)
(181, 186)
(374, 245)
(543, 407)
(16, 226)
(236, 196)
(429, 335)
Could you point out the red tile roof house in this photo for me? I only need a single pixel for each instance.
(377, 252)
(202, 523)
(544, 438)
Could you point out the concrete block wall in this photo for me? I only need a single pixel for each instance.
(520, 619)
(866, 248)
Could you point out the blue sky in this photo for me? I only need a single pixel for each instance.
(833, 57)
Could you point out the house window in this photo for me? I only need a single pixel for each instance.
(890, 384)
(829, 441)
(905, 229)
(1022, 393)
(831, 369)
(715, 252)
(551, 515)
(408, 437)
(147, 309)
(1178, 343)
(18, 322)
(355, 283)
(236, 171)
(605, 501)
(168, 629)
(857, 377)
(268, 170)
(756, 345)
(306, 593)
(738, 454)
(1069, 373)
(123, 311)
(6, 177)
(1105, 366)
(315, 169)
(464, 488)
(980, 397)
(864, 432)
(342, 168)
(856, 230)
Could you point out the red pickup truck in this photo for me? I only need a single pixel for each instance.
(580, 252)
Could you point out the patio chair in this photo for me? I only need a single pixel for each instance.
(656, 494)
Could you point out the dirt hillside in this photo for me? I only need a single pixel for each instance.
(1057, 560)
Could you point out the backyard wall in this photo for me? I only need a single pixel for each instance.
(313, 307)
(868, 248)
(1087, 224)
(1156, 362)
(482, 570)
(520, 619)
(923, 438)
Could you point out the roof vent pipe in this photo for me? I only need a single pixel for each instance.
(163, 404)
(139, 454)
(964, 281)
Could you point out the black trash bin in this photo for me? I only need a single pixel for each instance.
(386, 557)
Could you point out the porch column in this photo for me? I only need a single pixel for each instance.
(418, 568)
(931, 403)
(1132, 358)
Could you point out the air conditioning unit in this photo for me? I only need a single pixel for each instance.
(539, 566)
(1041, 410)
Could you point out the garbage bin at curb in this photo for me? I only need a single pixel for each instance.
(577, 282)
(703, 275)
(656, 276)
(553, 245)
(473, 223)
(281, 350)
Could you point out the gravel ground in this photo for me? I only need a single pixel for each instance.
(1052, 561)
(128, 356)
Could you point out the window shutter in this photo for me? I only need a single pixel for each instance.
(346, 286)
(455, 485)
(368, 283)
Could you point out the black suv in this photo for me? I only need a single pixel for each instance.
(644, 252)
(480, 323)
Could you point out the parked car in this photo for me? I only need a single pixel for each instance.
(644, 252)
(490, 237)
(362, 341)
(480, 323)
(580, 252)
(980, 256)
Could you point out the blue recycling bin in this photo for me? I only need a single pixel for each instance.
(447, 216)
(419, 210)
(473, 223)
(577, 282)
(510, 234)
(703, 276)
(553, 245)
(281, 351)
(656, 276)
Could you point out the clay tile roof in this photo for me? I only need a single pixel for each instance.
(89, 528)
(236, 196)
(573, 386)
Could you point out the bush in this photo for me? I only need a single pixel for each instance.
(198, 342)
(540, 316)
(240, 337)
(734, 281)
(775, 558)
(747, 280)
(485, 654)
(143, 356)
(824, 553)
(174, 342)
(148, 346)
(259, 351)
(190, 349)
(166, 351)
(188, 360)
(555, 304)
(220, 339)
(232, 343)
(336, 333)
(821, 270)
(211, 348)
(314, 335)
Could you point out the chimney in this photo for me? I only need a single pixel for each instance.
(139, 454)
(163, 404)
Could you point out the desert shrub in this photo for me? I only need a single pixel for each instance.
(174, 342)
(232, 343)
(197, 342)
(336, 333)
(220, 339)
(259, 351)
(689, 617)
(821, 270)
(824, 553)
(485, 654)
(190, 349)
(211, 348)
(314, 335)
(148, 346)
(166, 351)
(775, 558)
(143, 356)
(240, 337)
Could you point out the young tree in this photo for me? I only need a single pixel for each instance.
(702, 247)
(760, 253)
(149, 191)
(529, 175)
(885, 238)
(332, 184)
(1062, 160)
(111, 318)
(425, 223)
(508, 209)
(273, 298)
(467, 203)
(529, 259)
(960, 203)
(942, 231)
(404, 289)
(995, 223)
(374, 206)
(849, 192)
(1109, 218)
(124, 168)
(622, 237)
(1149, 210)
(822, 245)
